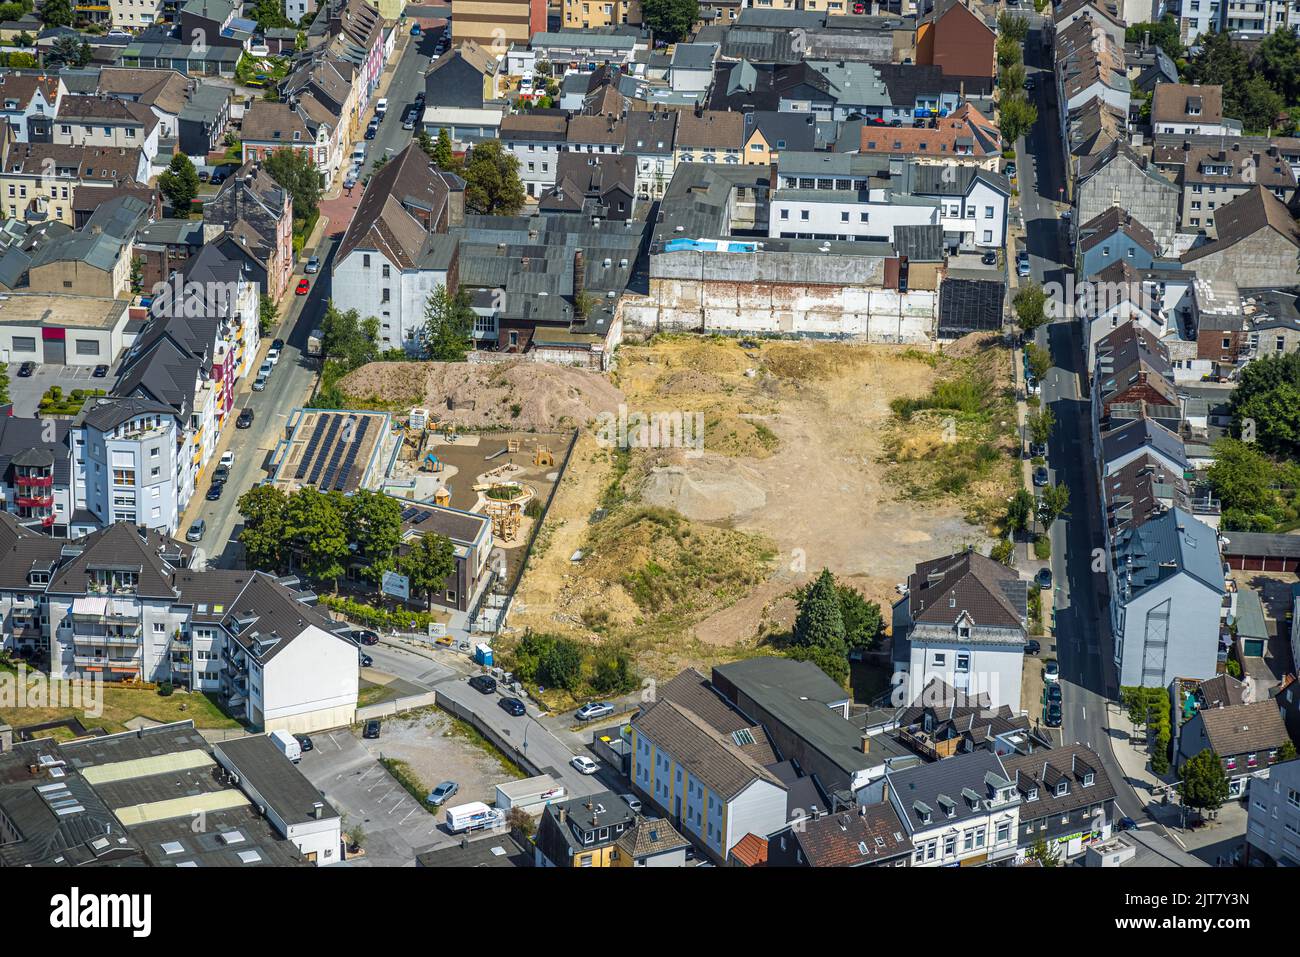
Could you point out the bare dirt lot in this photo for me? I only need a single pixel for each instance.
(526, 396)
(699, 548)
(425, 741)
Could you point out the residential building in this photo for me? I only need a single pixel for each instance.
(253, 219)
(1247, 738)
(702, 780)
(1182, 108)
(30, 102)
(1166, 587)
(202, 122)
(1118, 176)
(94, 260)
(591, 14)
(269, 126)
(583, 832)
(162, 91)
(709, 136)
(965, 136)
(1273, 822)
(104, 121)
(35, 478)
(650, 842)
(466, 77)
(396, 250)
(40, 181)
(1250, 20)
(963, 811)
(1113, 235)
(536, 139)
(963, 621)
(1256, 243)
(957, 39)
(603, 187)
(768, 133)
(1067, 799)
(869, 835)
(1212, 176)
(650, 137)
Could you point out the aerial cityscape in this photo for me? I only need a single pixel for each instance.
(762, 434)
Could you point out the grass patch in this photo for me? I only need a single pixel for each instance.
(1035, 610)
(467, 732)
(1042, 548)
(374, 694)
(403, 775)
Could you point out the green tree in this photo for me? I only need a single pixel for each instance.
(670, 20)
(827, 659)
(180, 183)
(296, 171)
(1040, 360)
(22, 61)
(1009, 52)
(1287, 752)
(1257, 105)
(442, 152)
(820, 621)
(1012, 77)
(1044, 855)
(492, 184)
(268, 315)
(448, 325)
(68, 52)
(1020, 511)
(613, 673)
(374, 526)
(1003, 551)
(1242, 478)
(1219, 61)
(1164, 34)
(1055, 502)
(264, 509)
(863, 622)
(4, 384)
(1030, 305)
(428, 563)
(1277, 60)
(1014, 27)
(1040, 425)
(426, 143)
(348, 339)
(317, 530)
(56, 13)
(269, 14)
(1202, 784)
(1016, 115)
(1265, 406)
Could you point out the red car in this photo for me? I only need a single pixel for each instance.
(303, 285)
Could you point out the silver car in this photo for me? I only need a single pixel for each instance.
(593, 710)
(259, 384)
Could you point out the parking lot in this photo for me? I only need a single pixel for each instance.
(347, 770)
(25, 392)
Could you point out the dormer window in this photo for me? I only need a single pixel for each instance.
(1088, 779)
(1031, 794)
(1062, 788)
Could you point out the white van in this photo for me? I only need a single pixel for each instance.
(359, 153)
(288, 745)
(473, 816)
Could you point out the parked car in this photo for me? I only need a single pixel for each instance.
(415, 29)
(483, 684)
(584, 764)
(215, 490)
(1037, 450)
(594, 709)
(277, 344)
(203, 174)
(273, 356)
(444, 791)
(1040, 476)
(1010, 170)
(227, 459)
(381, 107)
(364, 660)
(1022, 264)
(304, 742)
(512, 706)
(101, 370)
(1126, 824)
(1052, 671)
(303, 285)
(26, 369)
(349, 182)
(221, 473)
(259, 384)
(1032, 647)
(632, 801)
(363, 636)
(1054, 693)
(195, 533)
(990, 258)
(313, 264)
(1053, 717)
(371, 130)
(372, 729)
(1029, 83)
(1044, 578)
(245, 420)
(409, 124)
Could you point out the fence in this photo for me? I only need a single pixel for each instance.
(386, 709)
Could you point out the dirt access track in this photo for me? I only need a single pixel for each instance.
(789, 479)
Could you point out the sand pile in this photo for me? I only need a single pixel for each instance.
(708, 489)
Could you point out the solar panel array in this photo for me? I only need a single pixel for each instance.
(353, 448)
(312, 443)
(330, 434)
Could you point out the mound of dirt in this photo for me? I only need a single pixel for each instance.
(971, 344)
(709, 489)
(807, 361)
(518, 395)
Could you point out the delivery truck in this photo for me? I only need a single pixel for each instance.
(474, 816)
(288, 745)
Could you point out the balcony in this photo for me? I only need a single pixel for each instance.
(108, 641)
(107, 663)
(36, 481)
(33, 501)
(106, 611)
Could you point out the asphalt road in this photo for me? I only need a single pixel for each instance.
(291, 383)
(1086, 667)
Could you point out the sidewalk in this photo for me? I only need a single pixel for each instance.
(1129, 747)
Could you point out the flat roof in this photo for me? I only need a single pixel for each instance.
(330, 449)
(55, 311)
(286, 790)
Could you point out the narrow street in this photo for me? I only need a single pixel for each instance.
(1082, 634)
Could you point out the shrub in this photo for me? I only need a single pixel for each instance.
(1042, 548)
(165, 689)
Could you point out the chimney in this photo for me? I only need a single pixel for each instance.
(579, 273)
(318, 810)
(866, 744)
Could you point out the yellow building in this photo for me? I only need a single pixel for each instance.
(38, 180)
(589, 14)
(496, 25)
(389, 9)
(583, 832)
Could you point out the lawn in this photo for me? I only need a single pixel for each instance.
(120, 705)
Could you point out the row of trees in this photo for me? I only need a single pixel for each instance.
(1016, 113)
(322, 533)
(553, 661)
(833, 620)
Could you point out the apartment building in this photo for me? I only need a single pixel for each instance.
(1273, 822)
(29, 103)
(1189, 108)
(536, 139)
(496, 24)
(650, 139)
(1251, 18)
(105, 121)
(40, 181)
(592, 14)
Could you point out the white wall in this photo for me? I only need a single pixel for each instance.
(311, 684)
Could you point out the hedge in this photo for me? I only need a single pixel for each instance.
(379, 619)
